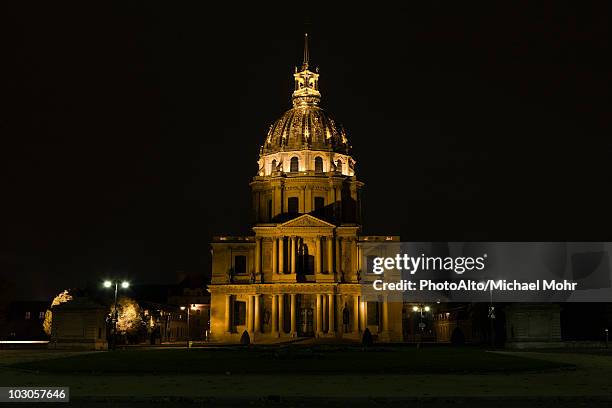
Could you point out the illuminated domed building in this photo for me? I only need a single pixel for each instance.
(299, 274)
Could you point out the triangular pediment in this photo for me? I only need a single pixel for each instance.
(306, 220)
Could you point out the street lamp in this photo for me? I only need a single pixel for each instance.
(124, 285)
(421, 309)
(491, 315)
(193, 306)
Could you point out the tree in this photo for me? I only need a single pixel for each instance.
(129, 319)
(58, 300)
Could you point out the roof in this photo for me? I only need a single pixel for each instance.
(80, 303)
(308, 127)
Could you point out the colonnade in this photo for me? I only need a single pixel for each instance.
(327, 253)
(324, 315)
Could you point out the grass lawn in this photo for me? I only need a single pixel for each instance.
(291, 360)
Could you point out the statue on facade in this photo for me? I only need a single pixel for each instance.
(266, 317)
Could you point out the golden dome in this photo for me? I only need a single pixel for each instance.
(306, 125)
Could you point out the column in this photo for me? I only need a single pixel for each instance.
(364, 314)
(359, 260)
(293, 254)
(281, 255)
(330, 198)
(257, 256)
(356, 314)
(325, 313)
(293, 316)
(308, 201)
(274, 256)
(330, 255)
(274, 330)
(281, 313)
(353, 258)
(331, 319)
(256, 300)
(250, 314)
(339, 256)
(385, 314)
(228, 311)
(319, 316)
(339, 200)
(274, 202)
(318, 255)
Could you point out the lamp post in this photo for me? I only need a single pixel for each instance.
(124, 285)
(491, 316)
(188, 325)
(421, 309)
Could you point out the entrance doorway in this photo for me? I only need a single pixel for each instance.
(305, 322)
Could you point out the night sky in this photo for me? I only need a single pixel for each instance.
(130, 132)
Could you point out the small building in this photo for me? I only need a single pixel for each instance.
(533, 325)
(79, 324)
(24, 321)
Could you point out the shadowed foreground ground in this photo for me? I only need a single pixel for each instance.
(290, 361)
(444, 377)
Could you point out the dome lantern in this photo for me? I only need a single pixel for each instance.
(306, 91)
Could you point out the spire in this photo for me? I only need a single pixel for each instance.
(305, 64)
(306, 90)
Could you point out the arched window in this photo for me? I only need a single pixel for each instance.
(339, 165)
(273, 166)
(318, 165)
(295, 164)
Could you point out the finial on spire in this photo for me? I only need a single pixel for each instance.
(305, 64)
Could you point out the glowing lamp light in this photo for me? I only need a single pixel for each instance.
(427, 308)
(125, 284)
(182, 307)
(415, 308)
(107, 284)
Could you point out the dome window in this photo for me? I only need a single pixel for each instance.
(273, 166)
(293, 205)
(295, 164)
(318, 165)
(339, 166)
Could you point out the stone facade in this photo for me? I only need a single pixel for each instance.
(300, 273)
(79, 324)
(533, 326)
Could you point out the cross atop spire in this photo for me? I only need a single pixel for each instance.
(306, 56)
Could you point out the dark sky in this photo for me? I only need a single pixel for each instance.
(130, 131)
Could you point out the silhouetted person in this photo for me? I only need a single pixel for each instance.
(367, 339)
(346, 318)
(245, 338)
